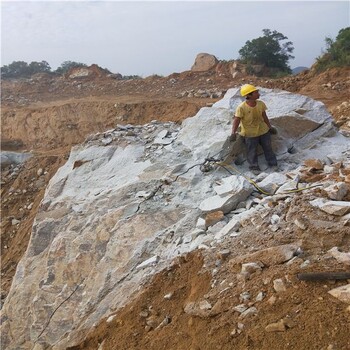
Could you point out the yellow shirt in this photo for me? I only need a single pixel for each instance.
(252, 122)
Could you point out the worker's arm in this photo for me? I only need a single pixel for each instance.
(272, 129)
(235, 125)
(266, 119)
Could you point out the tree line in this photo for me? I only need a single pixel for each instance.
(271, 50)
(18, 69)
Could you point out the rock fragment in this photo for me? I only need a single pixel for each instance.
(338, 208)
(341, 257)
(276, 327)
(342, 293)
(279, 286)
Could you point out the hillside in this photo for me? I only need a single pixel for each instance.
(48, 115)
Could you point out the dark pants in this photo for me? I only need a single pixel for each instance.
(252, 144)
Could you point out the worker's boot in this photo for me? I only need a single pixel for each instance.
(255, 169)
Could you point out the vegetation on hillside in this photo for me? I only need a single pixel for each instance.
(269, 50)
(67, 65)
(337, 51)
(21, 69)
(18, 69)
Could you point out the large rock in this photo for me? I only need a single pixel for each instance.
(204, 62)
(120, 210)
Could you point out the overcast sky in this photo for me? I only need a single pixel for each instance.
(160, 37)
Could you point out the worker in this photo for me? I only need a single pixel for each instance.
(255, 127)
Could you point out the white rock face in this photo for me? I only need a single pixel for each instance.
(210, 124)
(125, 204)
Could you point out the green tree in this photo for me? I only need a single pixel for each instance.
(39, 67)
(21, 69)
(269, 50)
(15, 69)
(337, 51)
(67, 65)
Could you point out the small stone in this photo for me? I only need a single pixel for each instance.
(151, 322)
(338, 208)
(165, 322)
(168, 296)
(148, 328)
(245, 296)
(301, 223)
(201, 224)
(149, 262)
(204, 305)
(276, 327)
(279, 286)
(274, 228)
(251, 267)
(195, 233)
(288, 322)
(144, 314)
(15, 222)
(337, 191)
(240, 325)
(233, 332)
(249, 312)
(275, 219)
(260, 296)
(342, 293)
(224, 254)
(106, 141)
(305, 264)
(340, 256)
(240, 308)
(110, 318)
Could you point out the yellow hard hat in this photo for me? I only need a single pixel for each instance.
(247, 89)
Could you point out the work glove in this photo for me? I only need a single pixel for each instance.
(233, 137)
(273, 130)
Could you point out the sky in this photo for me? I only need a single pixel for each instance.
(160, 37)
